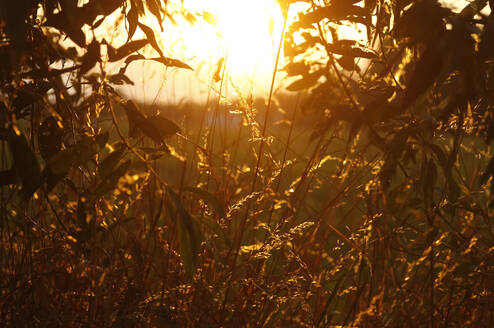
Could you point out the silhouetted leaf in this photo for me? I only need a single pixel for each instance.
(154, 8)
(151, 38)
(424, 74)
(171, 62)
(157, 128)
(50, 135)
(340, 48)
(305, 82)
(107, 165)
(338, 10)
(347, 62)
(120, 79)
(25, 163)
(166, 127)
(110, 181)
(132, 19)
(91, 57)
(126, 49)
(297, 68)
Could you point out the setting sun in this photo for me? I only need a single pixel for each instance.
(244, 36)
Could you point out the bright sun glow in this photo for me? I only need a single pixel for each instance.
(245, 33)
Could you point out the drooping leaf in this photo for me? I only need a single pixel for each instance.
(347, 63)
(157, 128)
(132, 19)
(154, 8)
(151, 38)
(338, 10)
(166, 127)
(91, 57)
(71, 27)
(126, 49)
(171, 62)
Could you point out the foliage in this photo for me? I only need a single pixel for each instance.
(372, 209)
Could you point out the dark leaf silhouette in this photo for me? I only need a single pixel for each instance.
(426, 71)
(125, 50)
(171, 62)
(25, 163)
(305, 82)
(150, 36)
(154, 8)
(110, 181)
(107, 165)
(50, 137)
(157, 128)
(91, 57)
(133, 20)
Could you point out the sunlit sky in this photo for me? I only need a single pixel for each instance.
(245, 33)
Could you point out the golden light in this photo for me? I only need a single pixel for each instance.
(245, 33)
